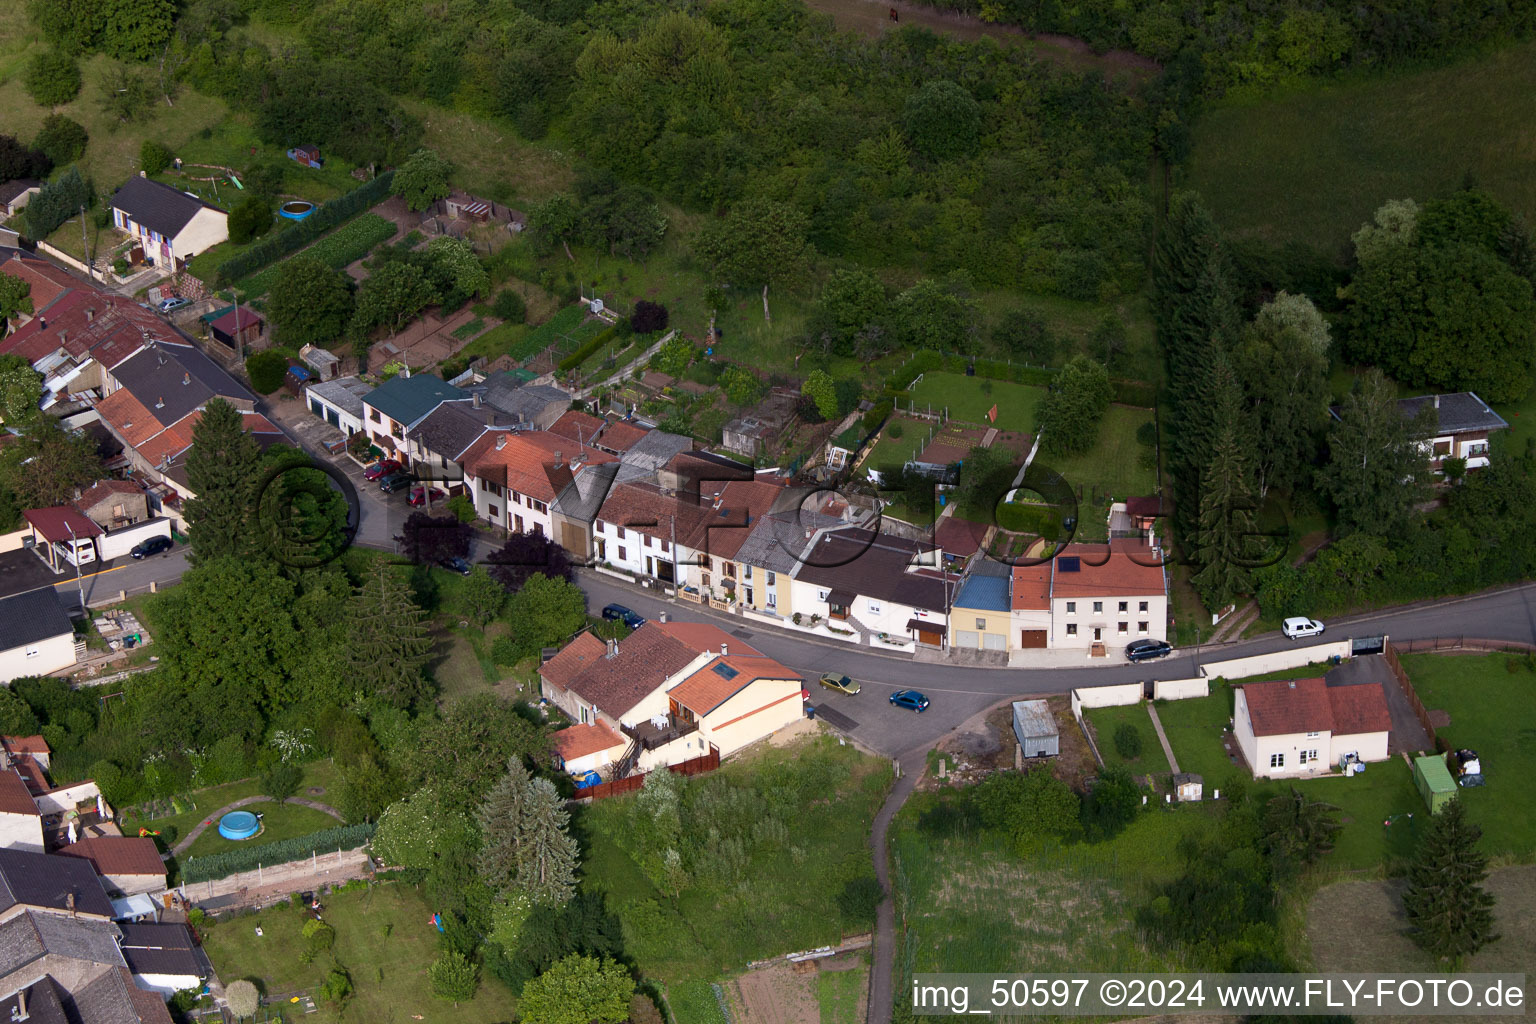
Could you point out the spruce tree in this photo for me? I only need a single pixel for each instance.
(389, 646)
(1224, 536)
(546, 852)
(222, 469)
(501, 820)
(1450, 912)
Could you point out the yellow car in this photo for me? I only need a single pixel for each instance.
(840, 683)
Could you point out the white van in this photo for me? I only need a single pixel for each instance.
(1299, 626)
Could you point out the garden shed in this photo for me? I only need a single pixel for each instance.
(1035, 727)
(1434, 781)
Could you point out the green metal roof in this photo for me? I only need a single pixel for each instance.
(408, 399)
(209, 318)
(1436, 774)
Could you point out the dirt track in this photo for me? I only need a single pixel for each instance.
(871, 18)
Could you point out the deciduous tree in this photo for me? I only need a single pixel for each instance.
(545, 612)
(310, 304)
(62, 140)
(578, 990)
(19, 161)
(1074, 407)
(821, 390)
(942, 120)
(430, 539)
(760, 241)
(52, 78)
(524, 555)
(21, 387)
(422, 180)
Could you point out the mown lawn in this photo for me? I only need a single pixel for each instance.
(839, 993)
(279, 821)
(1118, 466)
(969, 398)
(1313, 164)
(383, 939)
(1194, 728)
(1491, 712)
(319, 774)
(1106, 721)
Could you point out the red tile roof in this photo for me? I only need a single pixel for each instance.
(579, 741)
(103, 490)
(1143, 506)
(24, 745)
(1130, 568)
(1287, 706)
(709, 687)
(47, 281)
(1359, 708)
(704, 637)
(127, 415)
(521, 462)
(644, 660)
(959, 537)
(118, 855)
(621, 436)
(577, 426)
(1032, 587)
(54, 524)
(572, 660)
(15, 797)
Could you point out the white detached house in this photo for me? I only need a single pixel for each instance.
(171, 225)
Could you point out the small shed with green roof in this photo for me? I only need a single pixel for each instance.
(1434, 781)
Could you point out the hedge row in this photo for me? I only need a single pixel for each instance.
(585, 349)
(351, 241)
(291, 240)
(248, 858)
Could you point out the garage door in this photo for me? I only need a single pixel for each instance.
(967, 639)
(1030, 639)
(994, 641)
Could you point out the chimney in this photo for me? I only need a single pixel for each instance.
(501, 441)
(69, 901)
(44, 321)
(559, 460)
(723, 651)
(160, 402)
(474, 400)
(186, 378)
(1292, 684)
(1437, 401)
(90, 314)
(21, 1006)
(613, 649)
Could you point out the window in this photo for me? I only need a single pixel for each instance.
(623, 553)
(704, 581)
(1442, 449)
(538, 506)
(1477, 448)
(1143, 607)
(729, 570)
(773, 599)
(31, 652)
(1312, 735)
(746, 573)
(874, 607)
(1071, 607)
(493, 510)
(665, 546)
(1125, 606)
(821, 595)
(601, 526)
(1277, 760)
(1098, 606)
(981, 625)
(583, 714)
(1307, 755)
(1125, 627)
(645, 542)
(772, 578)
(1141, 627)
(1071, 629)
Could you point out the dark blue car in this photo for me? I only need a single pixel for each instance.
(911, 700)
(619, 612)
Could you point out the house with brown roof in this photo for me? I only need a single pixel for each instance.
(670, 691)
(1030, 606)
(21, 823)
(872, 583)
(1106, 596)
(113, 504)
(126, 864)
(1295, 728)
(533, 481)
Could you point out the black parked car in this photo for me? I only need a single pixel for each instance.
(629, 618)
(396, 482)
(457, 565)
(1146, 650)
(153, 546)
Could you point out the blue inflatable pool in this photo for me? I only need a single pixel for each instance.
(239, 825)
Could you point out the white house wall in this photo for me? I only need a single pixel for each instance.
(67, 799)
(206, 229)
(1371, 746)
(21, 832)
(760, 710)
(117, 543)
(1108, 620)
(38, 659)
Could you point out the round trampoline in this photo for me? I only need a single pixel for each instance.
(298, 209)
(239, 825)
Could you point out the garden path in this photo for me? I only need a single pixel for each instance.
(210, 819)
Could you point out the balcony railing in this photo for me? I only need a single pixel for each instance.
(649, 736)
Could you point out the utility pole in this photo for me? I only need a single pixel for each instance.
(75, 552)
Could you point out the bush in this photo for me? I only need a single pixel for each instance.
(857, 901)
(896, 430)
(281, 780)
(246, 858)
(337, 987)
(509, 306)
(454, 977)
(649, 317)
(266, 370)
(462, 508)
(504, 651)
(251, 218)
(52, 78)
(585, 350)
(154, 157)
(1128, 741)
(293, 239)
(318, 936)
(63, 141)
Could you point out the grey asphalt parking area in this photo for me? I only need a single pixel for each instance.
(21, 571)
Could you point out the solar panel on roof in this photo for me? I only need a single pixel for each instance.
(1069, 563)
(725, 671)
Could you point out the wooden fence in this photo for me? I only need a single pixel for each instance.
(695, 766)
